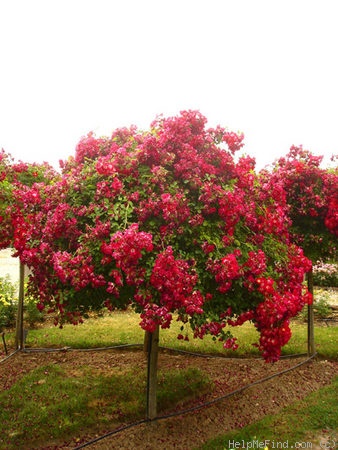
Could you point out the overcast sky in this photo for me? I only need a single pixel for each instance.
(267, 68)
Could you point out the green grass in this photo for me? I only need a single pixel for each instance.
(302, 422)
(118, 328)
(49, 404)
(123, 328)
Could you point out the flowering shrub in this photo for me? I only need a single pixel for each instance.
(168, 222)
(312, 197)
(325, 274)
(9, 306)
(8, 301)
(15, 182)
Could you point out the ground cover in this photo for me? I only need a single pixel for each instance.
(316, 426)
(84, 394)
(79, 402)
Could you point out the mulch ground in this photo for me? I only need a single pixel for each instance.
(189, 430)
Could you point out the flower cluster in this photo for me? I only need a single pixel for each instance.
(77, 270)
(282, 298)
(126, 249)
(325, 274)
(89, 147)
(231, 344)
(213, 328)
(175, 281)
(311, 195)
(154, 316)
(226, 270)
(331, 219)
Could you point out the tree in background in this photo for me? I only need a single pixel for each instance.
(312, 198)
(16, 179)
(168, 222)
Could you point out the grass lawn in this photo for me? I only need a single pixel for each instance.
(123, 328)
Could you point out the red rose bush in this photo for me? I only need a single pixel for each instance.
(171, 222)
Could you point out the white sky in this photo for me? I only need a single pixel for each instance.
(265, 67)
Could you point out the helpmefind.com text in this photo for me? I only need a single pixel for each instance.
(272, 444)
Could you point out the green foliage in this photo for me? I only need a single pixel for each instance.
(9, 306)
(8, 303)
(32, 316)
(321, 306)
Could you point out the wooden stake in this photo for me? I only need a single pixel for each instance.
(153, 339)
(19, 339)
(310, 318)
